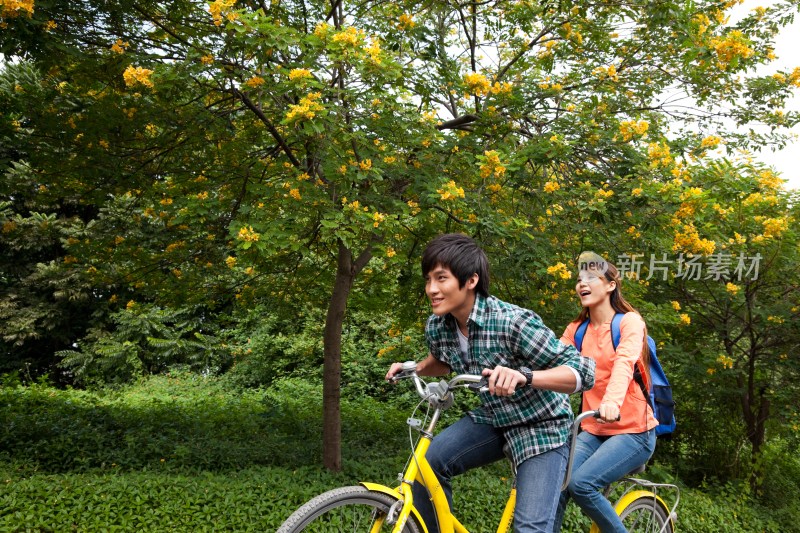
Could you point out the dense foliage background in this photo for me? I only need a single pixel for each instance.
(237, 193)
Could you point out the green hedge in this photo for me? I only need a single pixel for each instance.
(186, 453)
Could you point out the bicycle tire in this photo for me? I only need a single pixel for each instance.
(645, 514)
(352, 509)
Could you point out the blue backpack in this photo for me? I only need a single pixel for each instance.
(660, 394)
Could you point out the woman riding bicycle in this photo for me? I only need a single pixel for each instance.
(623, 438)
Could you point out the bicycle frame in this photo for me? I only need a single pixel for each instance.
(420, 470)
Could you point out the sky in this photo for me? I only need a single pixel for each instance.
(786, 161)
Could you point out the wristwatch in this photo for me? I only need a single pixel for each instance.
(528, 373)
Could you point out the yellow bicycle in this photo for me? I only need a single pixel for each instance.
(374, 508)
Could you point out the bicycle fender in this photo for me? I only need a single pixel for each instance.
(394, 494)
(627, 499)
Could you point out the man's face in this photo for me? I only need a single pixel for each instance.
(446, 296)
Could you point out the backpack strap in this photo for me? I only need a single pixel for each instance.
(637, 372)
(579, 333)
(616, 332)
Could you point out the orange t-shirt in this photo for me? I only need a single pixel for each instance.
(613, 381)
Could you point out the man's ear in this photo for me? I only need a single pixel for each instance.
(472, 282)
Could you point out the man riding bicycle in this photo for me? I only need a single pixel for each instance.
(529, 371)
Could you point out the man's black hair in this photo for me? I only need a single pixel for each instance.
(462, 256)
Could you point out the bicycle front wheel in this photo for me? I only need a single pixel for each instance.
(646, 514)
(352, 509)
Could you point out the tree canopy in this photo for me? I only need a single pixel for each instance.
(179, 175)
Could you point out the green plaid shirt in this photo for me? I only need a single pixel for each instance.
(534, 420)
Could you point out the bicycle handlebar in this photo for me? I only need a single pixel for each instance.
(439, 395)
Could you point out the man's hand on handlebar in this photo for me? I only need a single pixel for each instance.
(503, 381)
(393, 370)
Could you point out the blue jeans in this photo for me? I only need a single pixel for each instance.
(466, 445)
(600, 461)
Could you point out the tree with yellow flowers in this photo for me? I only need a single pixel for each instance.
(208, 156)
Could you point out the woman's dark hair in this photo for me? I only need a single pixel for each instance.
(620, 305)
(462, 256)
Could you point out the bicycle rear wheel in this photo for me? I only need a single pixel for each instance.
(645, 514)
(351, 509)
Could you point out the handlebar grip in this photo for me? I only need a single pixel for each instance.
(480, 386)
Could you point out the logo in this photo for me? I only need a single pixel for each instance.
(592, 261)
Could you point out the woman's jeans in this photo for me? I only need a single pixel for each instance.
(466, 445)
(600, 461)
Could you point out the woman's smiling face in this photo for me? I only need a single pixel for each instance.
(593, 288)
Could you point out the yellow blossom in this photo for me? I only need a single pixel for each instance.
(220, 9)
(712, 141)
(350, 36)
(405, 22)
(774, 227)
(295, 193)
(299, 74)
(207, 59)
(255, 81)
(769, 180)
(737, 239)
(120, 46)
(725, 361)
(732, 288)
(687, 239)
(450, 191)
(551, 186)
(685, 319)
(247, 234)
(15, 8)
(735, 44)
(491, 165)
(502, 88)
(637, 191)
(130, 305)
(676, 305)
(631, 128)
(306, 109)
(365, 165)
(378, 218)
(390, 252)
(374, 51)
(174, 246)
(559, 270)
(477, 84)
(230, 261)
(659, 154)
(137, 75)
(389, 159)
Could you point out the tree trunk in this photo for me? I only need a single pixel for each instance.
(346, 271)
(756, 410)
